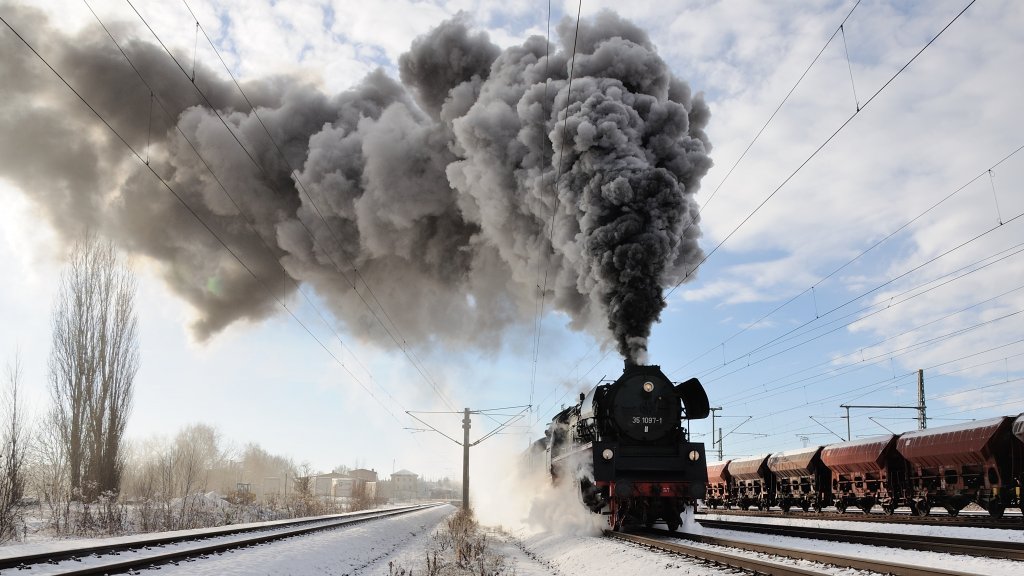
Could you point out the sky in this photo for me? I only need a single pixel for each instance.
(871, 230)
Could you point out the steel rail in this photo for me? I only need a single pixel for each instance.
(726, 559)
(968, 546)
(776, 568)
(266, 533)
(1008, 522)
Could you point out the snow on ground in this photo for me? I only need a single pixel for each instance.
(363, 549)
(383, 547)
(40, 544)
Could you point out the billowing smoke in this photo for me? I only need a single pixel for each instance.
(453, 194)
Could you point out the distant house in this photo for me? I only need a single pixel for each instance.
(363, 474)
(404, 485)
(330, 484)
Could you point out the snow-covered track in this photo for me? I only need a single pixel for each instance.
(781, 565)
(147, 552)
(969, 546)
(1008, 522)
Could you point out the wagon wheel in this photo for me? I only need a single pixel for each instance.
(952, 510)
(785, 508)
(866, 508)
(888, 509)
(921, 508)
(648, 519)
(817, 506)
(805, 506)
(673, 522)
(996, 509)
(841, 507)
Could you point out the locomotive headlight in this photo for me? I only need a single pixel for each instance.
(607, 454)
(648, 386)
(694, 455)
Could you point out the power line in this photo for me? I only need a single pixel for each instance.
(401, 345)
(863, 253)
(554, 188)
(191, 211)
(816, 151)
(250, 224)
(539, 300)
(875, 386)
(1019, 248)
(785, 99)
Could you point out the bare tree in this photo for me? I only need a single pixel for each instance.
(14, 440)
(93, 363)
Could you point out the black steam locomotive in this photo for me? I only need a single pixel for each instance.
(628, 446)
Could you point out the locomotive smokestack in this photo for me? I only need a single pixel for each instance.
(440, 189)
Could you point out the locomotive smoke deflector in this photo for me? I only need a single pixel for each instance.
(695, 399)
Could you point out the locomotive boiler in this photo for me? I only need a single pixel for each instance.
(627, 445)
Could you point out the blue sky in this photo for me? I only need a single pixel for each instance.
(945, 120)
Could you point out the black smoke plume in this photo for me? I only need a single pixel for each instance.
(453, 192)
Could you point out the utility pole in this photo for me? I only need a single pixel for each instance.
(922, 417)
(466, 444)
(713, 410)
(719, 444)
(465, 460)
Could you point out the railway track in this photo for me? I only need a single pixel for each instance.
(780, 563)
(152, 552)
(961, 521)
(968, 546)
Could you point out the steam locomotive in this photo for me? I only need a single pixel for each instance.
(627, 445)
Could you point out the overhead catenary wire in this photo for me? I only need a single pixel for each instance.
(403, 345)
(400, 344)
(889, 236)
(190, 210)
(873, 387)
(694, 219)
(1017, 250)
(554, 188)
(539, 299)
(817, 151)
(882, 357)
(250, 225)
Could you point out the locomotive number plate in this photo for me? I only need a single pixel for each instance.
(647, 420)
